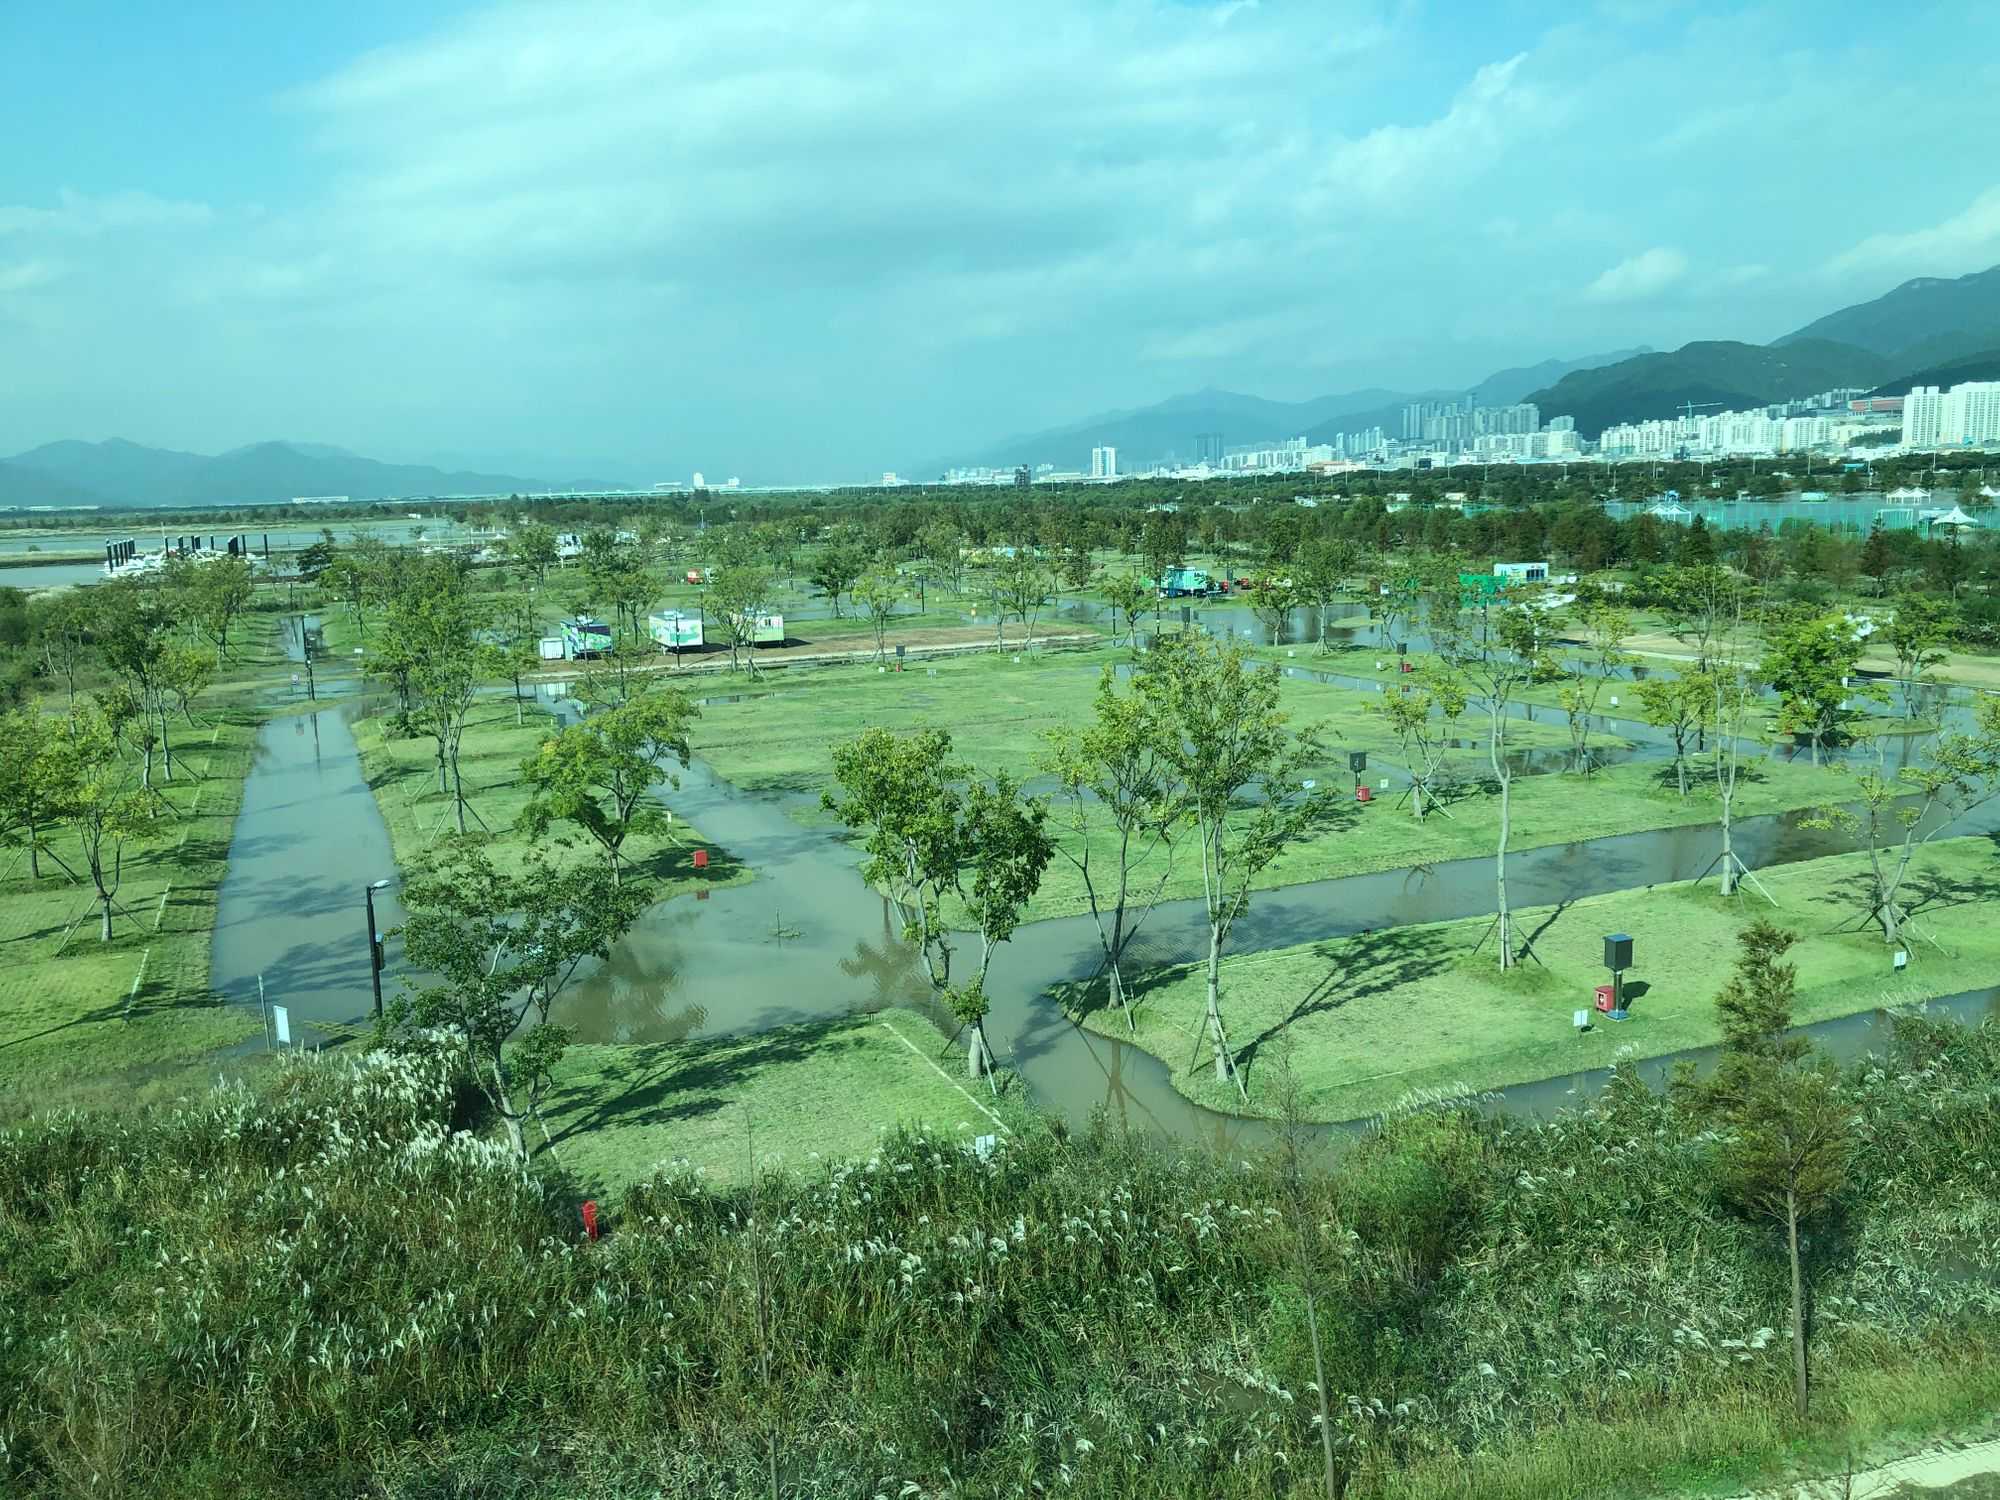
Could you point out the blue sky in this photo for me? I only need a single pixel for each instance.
(802, 239)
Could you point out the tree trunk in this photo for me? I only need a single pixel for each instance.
(1728, 849)
(34, 855)
(1505, 922)
(975, 1052)
(166, 747)
(1319, 1379)
(104, 934)
(458, 790)
(1798, 1303)
(1225, 1065)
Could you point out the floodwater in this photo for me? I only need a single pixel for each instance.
(807, 939)
(51, 575)
(292, 909)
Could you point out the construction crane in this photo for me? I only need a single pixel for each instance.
(1689, 408)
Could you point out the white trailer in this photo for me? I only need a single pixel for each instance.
(674, 630)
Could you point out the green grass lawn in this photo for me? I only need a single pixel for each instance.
(86, 1022)
(1373, 1017)
(794, 1097)
(775, 736)
(401, 773)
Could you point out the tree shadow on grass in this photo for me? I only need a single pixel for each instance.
(669, 1082)
(1374, 963)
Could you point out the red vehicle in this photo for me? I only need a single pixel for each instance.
(694, 575)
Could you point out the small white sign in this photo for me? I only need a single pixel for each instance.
(295, 679)
(1580, 1020)
(1902, 958)
(281, 1021)
(982, 1146)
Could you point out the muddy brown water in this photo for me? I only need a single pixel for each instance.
(807, 940)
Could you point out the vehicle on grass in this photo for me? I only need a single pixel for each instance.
(584, 638)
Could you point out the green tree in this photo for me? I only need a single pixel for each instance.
(1163, 544)
(1892, 816)
(1605, 627)
(97, 804)
(1272, 599)
(213, 594)
(1424, 717)
(1021, 587)
(835, 570)
(1496, 677)
(437, 632)
(1699, 602)
(598, 775)
(1229, 746)
(738, 585)
(1787, 1133)
(35, 782)
(932, 832)
(1878, 558)
(1127, 595)
(532, 546)
(878, 592)
(1917, 633)
(1684, 706)
(59, 628)
(1114, 771)
(1811, 661)
(496, 951)
(1320, 580)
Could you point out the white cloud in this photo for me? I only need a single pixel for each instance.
(80, 214)
(1646, 274)
(1968, 241)
(27, 274)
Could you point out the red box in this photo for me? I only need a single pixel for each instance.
(1604, 1001)
(701, 859)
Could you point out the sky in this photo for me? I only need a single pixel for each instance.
(808, 240)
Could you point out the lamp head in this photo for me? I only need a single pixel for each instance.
(378, 885)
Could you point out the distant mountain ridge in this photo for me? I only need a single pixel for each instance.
(1170, 427)
(1921, 309)
(121, 473)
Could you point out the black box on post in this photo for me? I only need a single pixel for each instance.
(1617, 952)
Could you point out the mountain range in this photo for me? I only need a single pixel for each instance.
(1929, 331)
(119, 473)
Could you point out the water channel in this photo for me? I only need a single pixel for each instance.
(807, 940)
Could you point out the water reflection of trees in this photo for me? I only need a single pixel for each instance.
(889, 966)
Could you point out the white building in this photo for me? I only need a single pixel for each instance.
(1970, 414)
(1104, 462)
(1921, 410)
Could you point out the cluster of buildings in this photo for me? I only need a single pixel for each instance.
(1459, 424)
(1967, 415)
(1729, 434)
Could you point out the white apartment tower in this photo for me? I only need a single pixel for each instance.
(1921, 410)
(1104, 463)
(1970, 413)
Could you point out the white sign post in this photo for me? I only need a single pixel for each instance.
(281, 1019)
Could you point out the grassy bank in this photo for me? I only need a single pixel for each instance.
(132, 1019)
(1374, 1017)
(403, 776)
(794, 1098)
(364, 1302)
(774, 738)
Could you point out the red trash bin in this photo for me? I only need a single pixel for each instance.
(701, 859)
(1364, 794)
(1604, 998)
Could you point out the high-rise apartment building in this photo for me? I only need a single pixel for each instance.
(1970, 413)
(1922, 409)
(1104, 463)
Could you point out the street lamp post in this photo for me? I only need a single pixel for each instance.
(374, 946)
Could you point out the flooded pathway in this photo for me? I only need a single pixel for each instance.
(807, 939)
(309, 840)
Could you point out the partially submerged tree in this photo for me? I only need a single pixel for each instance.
(497, 950)
(1787, 1132)
(1423, 714)
(1811, 662)
(1127, 596)
(1115, 771)
(598, 775)
(1272, 598)
(933, 832)
(834, 571)
(1605, 626)
(1918, 633)
(1230, 746)
(1021, 587)
(1894, 815)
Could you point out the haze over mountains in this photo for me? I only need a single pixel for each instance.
(1926, 331)
(116, 472)
(1930, 330)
